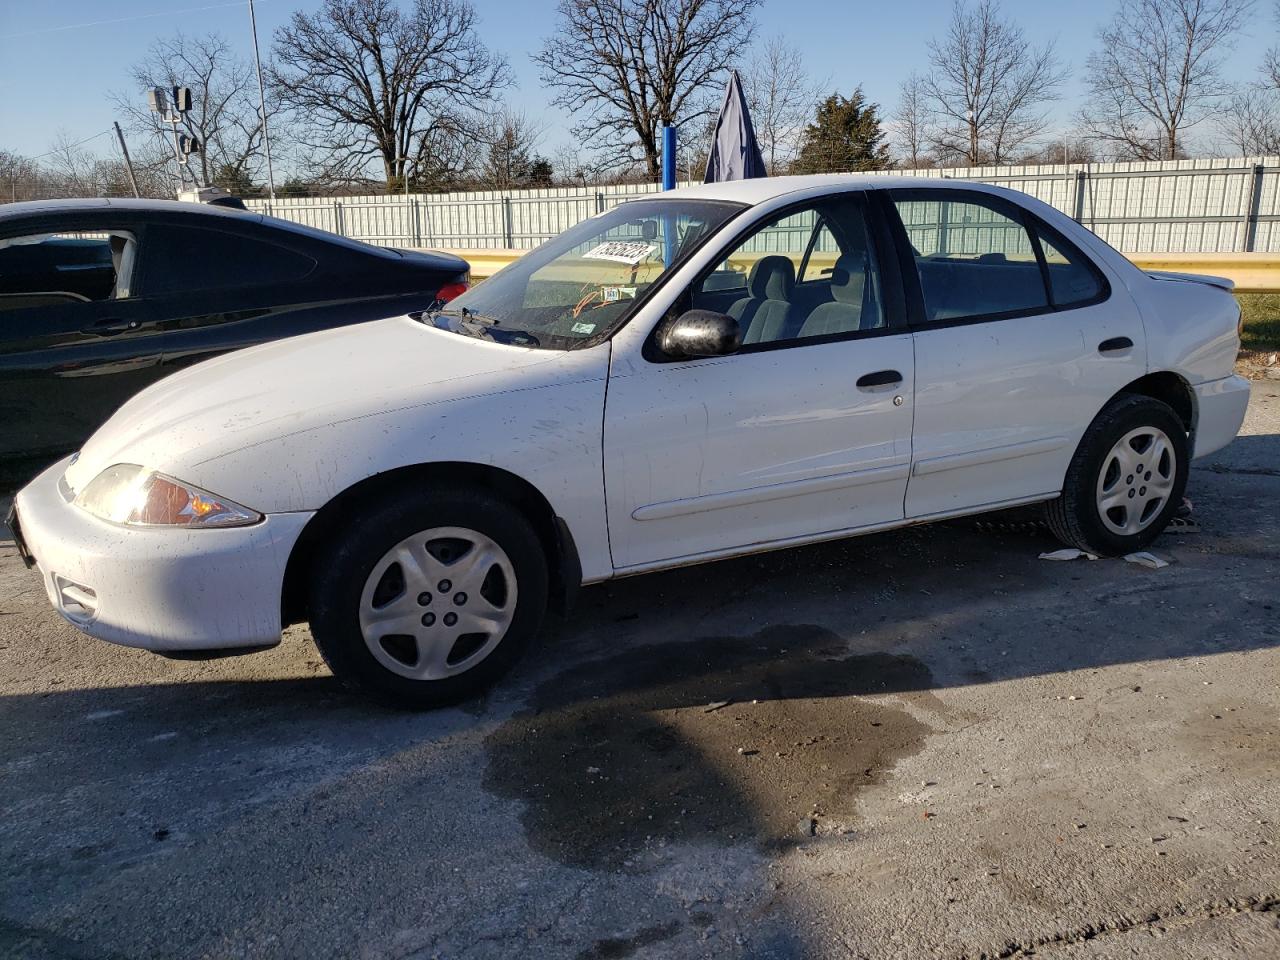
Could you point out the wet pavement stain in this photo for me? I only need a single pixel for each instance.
(664, 744)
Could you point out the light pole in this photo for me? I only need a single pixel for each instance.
(171, 112)
(262, 104)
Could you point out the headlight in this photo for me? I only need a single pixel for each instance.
(130, 494)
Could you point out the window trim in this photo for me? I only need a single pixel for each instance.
(882, 246)
(917, 308)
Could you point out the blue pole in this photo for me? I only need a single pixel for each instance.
(668, 158)
(668, 183)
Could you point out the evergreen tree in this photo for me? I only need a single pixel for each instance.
(846, 135)
(235, 180)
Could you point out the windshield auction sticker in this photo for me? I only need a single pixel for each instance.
(629, 252)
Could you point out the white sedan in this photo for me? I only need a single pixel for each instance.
(716, 371)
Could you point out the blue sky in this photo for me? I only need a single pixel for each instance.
(56, 71)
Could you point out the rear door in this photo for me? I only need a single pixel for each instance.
(1019, 341)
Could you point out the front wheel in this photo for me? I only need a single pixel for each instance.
(429, 598)
(1126, 480)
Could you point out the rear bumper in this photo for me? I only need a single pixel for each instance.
(159, 589)
(1220, 408)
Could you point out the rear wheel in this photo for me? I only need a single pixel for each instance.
(429, 599)
(1126, 480)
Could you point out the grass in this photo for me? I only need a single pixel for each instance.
(1261, 313)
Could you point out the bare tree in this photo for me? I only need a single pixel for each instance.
(374, 82)
(630, 67)
(1250, 120)
(988, 88)
(510, 157)
(909, 123)
(1157, 74)
(225, 111)
(1064, 149)
(1271, 63)
(781, 96)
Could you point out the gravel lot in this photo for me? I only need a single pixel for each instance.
(931, 744)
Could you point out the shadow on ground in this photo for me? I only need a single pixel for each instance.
(632, 728)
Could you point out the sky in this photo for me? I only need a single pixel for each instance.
(60, 60)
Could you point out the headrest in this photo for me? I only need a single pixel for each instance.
(848, 278)
(772, 278)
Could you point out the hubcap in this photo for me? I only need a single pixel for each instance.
(438, 603)
(1136, 480)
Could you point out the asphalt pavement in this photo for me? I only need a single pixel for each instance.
(919, 744)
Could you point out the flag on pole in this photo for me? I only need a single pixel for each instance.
(735, 154)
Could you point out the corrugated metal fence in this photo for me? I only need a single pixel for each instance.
(1178, 206)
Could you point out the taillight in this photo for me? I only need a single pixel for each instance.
(451, 290)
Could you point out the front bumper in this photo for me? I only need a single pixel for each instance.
(1220, 409)
(159, 589)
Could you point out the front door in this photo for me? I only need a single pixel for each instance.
(805, 431)
(75, 339)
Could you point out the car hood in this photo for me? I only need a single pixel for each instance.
(263, 393)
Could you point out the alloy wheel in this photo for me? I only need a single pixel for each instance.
(438, 603)
(1136, 480)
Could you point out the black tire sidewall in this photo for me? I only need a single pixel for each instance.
(340, 570)
(1130, 414)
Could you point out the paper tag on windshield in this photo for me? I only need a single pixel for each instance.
(583, 327)
(629, 252)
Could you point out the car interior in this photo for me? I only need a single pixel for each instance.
(806, 274)
(39, 270)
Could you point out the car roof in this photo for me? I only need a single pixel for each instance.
(760, 190)
(28, 208)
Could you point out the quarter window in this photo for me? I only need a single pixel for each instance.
(1072, 279)
(973, 259)
(193, 258)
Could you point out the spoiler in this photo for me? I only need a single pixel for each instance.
(1222, 283)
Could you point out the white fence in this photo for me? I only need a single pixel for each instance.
(1177, 206)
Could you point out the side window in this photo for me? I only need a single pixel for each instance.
(49, 269)
(787, 238)
(973, 259)
(195, 258)
(1072, 279)
(829, 247)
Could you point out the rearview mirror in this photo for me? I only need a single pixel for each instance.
(700, 333)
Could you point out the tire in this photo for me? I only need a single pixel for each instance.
(1112, 513)
(397, 586)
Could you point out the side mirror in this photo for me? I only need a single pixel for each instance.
(700, 333)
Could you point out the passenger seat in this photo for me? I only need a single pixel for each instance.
(844, 313)
(765, 313)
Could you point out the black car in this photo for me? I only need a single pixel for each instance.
(99, 298)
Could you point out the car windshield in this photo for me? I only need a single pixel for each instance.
(579, 287)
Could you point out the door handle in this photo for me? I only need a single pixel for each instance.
(110, 326)
(1115, 343)
(881, 378)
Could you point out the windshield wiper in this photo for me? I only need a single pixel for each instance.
(470, 316)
